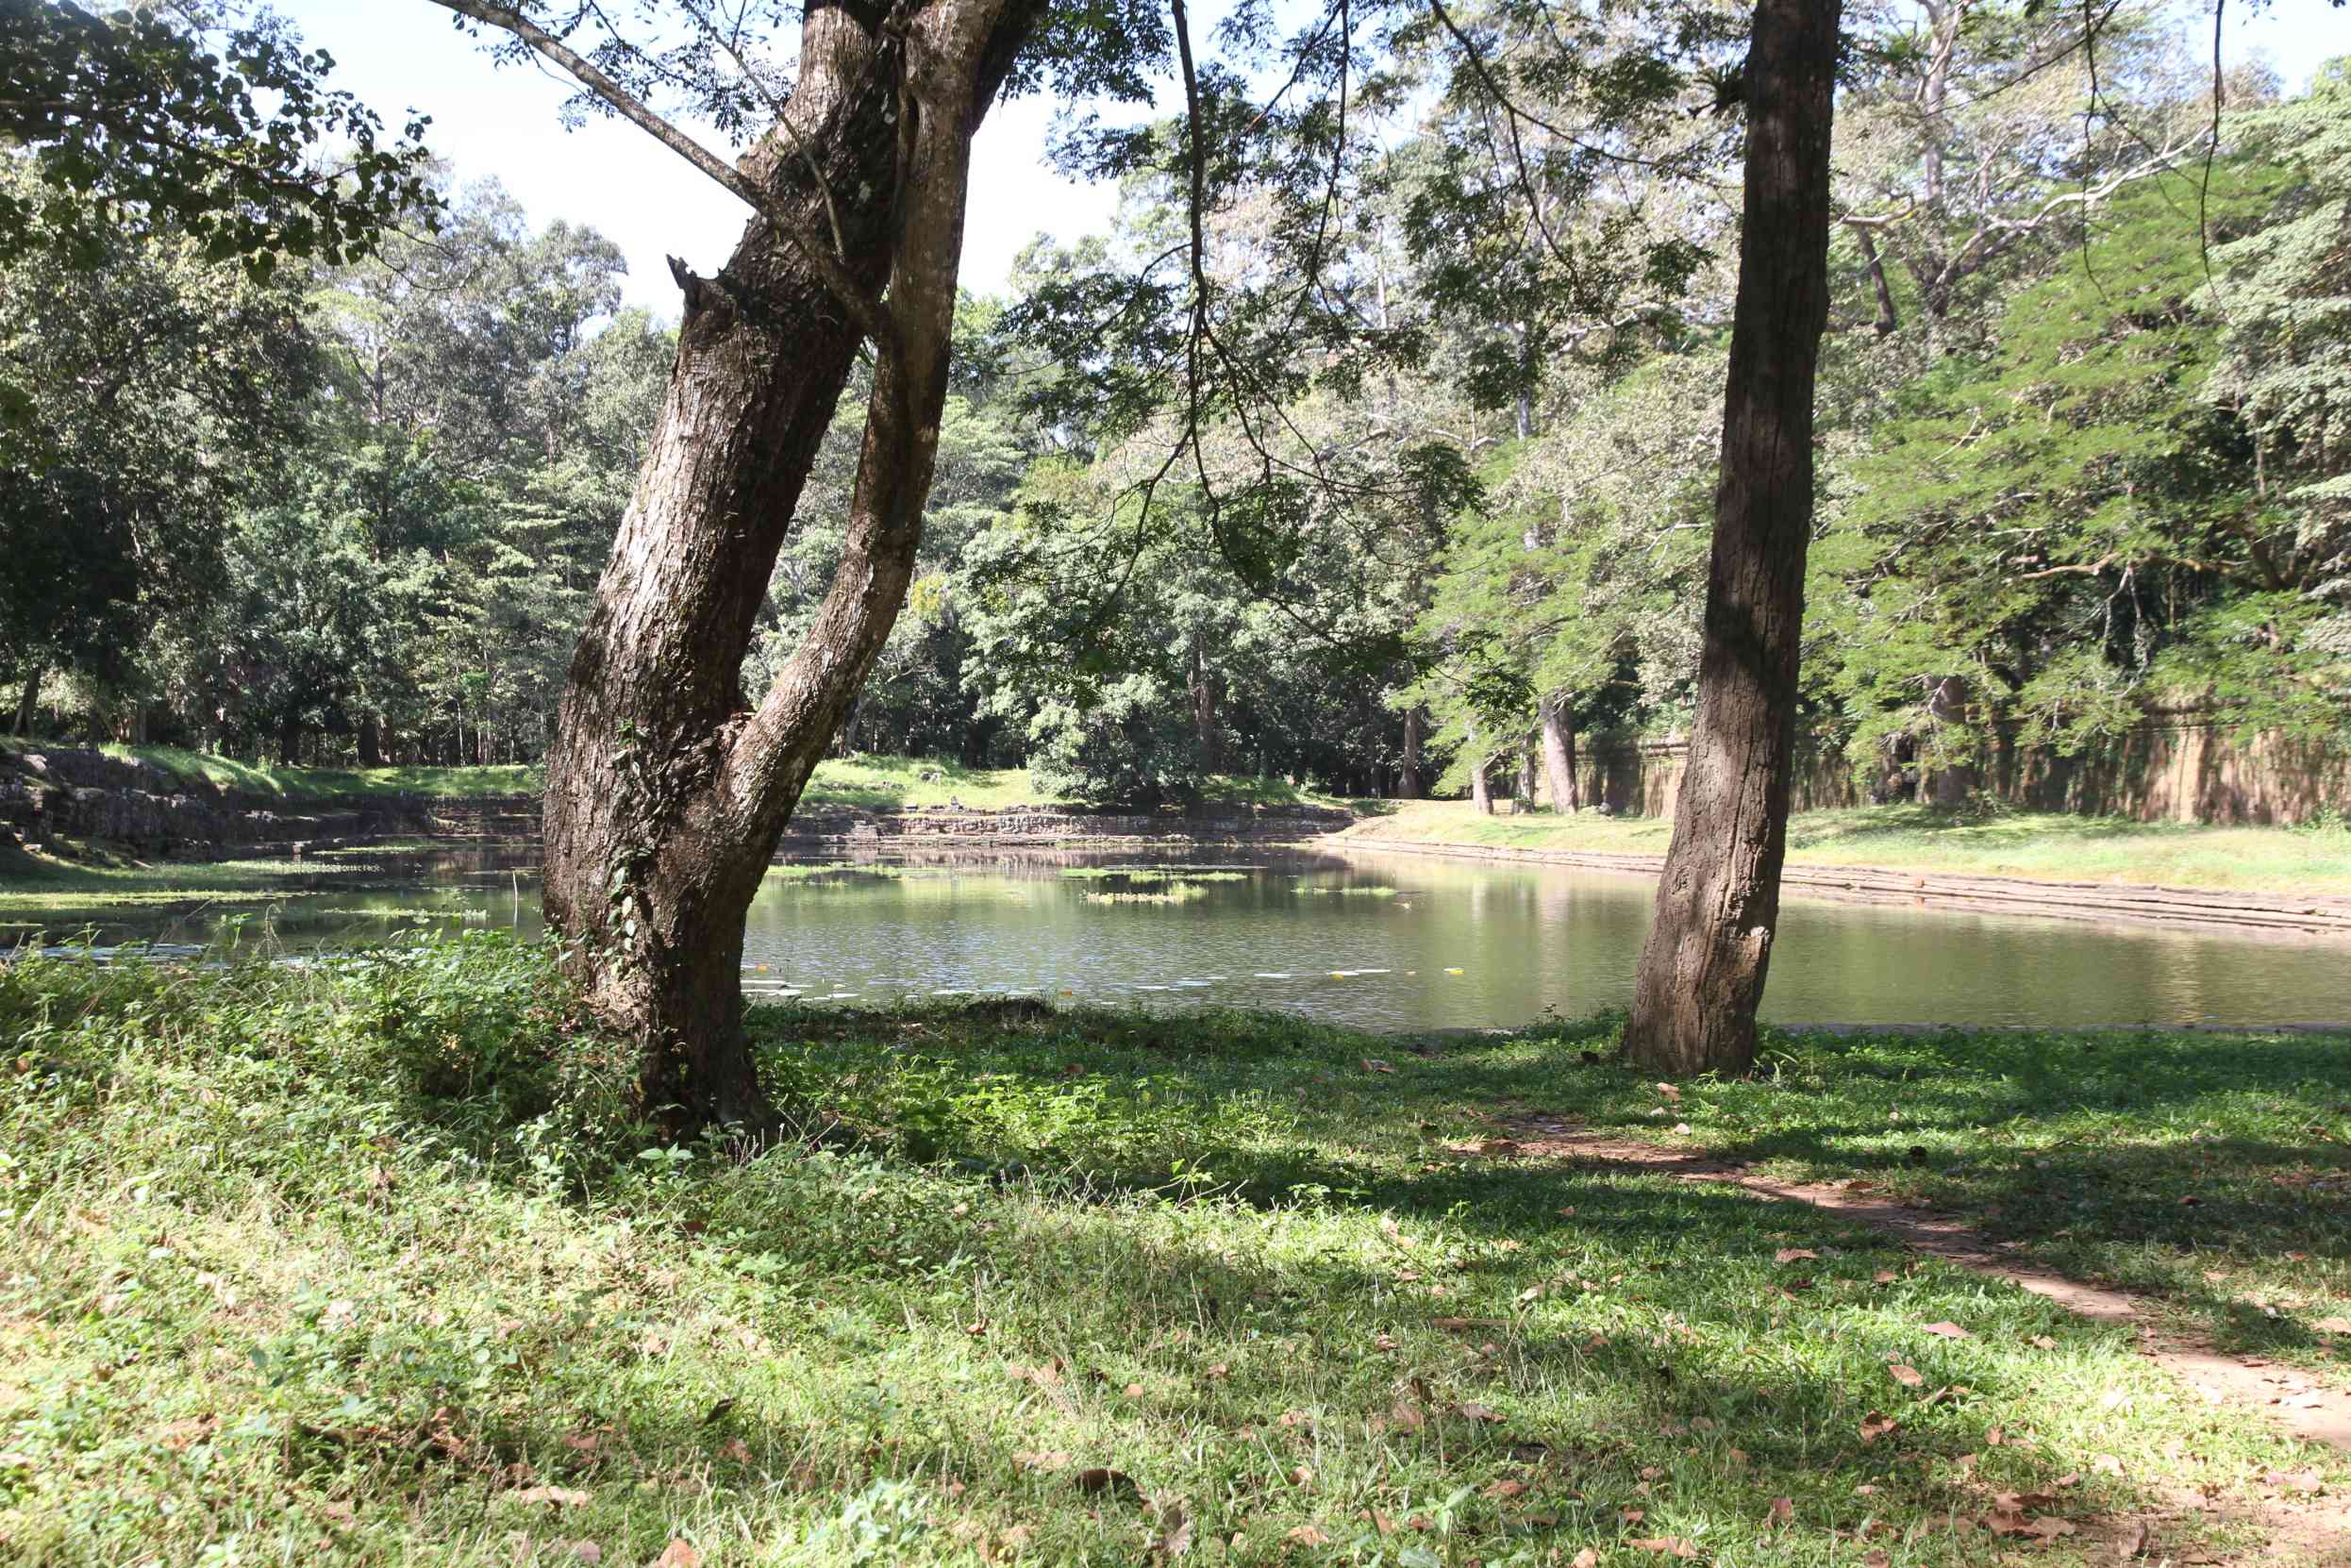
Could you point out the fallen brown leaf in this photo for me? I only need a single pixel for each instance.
(1877, 1424)
(1174, 1534)
(1949, 1330)
(677, 1554)
(1783, 1510)
(1790, 1255)
(1040, 1459)
(1307, 1535)
(1671, 1545)
(1908, 1377)
(562, 1497)
(1102, 1478)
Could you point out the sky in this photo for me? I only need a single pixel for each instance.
(490, 120)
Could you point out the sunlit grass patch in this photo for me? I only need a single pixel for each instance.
(375, 1255)
(2046, 845)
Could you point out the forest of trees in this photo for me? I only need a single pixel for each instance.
(2083, 414)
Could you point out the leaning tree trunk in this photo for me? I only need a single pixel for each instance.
(1703, 968)
(665, 798)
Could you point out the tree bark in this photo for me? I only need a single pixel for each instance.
(1947, 787)
(1481, 788)
(289, 744)
(1523, 787)
(29, 704)
(665, 797)
(1558, 753)
(1409, 777)
(1703, 969)
(371, 742)
(1207, 731)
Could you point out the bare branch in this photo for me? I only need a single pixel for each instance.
(864, 308)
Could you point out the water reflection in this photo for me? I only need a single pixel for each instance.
(1379, 940)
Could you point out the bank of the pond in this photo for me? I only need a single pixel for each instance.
(167, 802)
(2288, 879)
(371, 1261)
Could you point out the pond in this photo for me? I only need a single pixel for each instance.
(1383, 941)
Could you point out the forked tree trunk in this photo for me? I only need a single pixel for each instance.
(665, 797)
(1558, 753)
(1702, 970)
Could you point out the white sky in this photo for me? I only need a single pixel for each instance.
(404, 55)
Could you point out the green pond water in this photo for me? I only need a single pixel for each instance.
(1385, 940)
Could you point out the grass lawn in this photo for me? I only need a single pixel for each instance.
(870, 781)
(309, 784)
(877, 783)
(370, 1263)
(2046, 845)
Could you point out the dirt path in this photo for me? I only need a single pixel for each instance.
(2292, 916)
(2299, 1527)
(2302, 1408)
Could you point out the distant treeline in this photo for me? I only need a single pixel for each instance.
(2086, 439)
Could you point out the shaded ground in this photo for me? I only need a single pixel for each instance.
(370, 1261)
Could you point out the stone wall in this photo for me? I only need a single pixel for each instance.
(2176, 767)
(87, 794)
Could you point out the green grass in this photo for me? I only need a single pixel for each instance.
(371, 1265)
(2046, 845)
(312, 784)
(881, 783)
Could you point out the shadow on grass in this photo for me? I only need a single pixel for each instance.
(1989, 828)
(2165, 1163)
(744, 1349)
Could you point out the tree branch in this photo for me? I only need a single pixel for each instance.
(864, 308)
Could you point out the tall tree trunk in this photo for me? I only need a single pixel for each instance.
(1409, 779)
(1523, 787)
(1481, 788)
(289, 743)
(1205, 729)
(664, 797)
(371, 740)
(1702, 970)
(29, 704)
(1946, 787)
(1558, 752)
